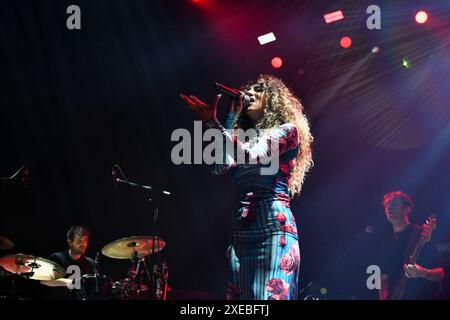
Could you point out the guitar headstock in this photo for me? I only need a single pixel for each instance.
(432, 222)
(428, 228)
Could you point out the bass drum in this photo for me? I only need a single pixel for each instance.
(95, 287)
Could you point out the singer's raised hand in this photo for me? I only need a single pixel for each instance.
(202, 110)
(237, 107)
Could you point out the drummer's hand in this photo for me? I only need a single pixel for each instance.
(203, 111)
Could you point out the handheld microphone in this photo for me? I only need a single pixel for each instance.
(232, 93)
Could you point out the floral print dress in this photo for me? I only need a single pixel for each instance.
(263, 254)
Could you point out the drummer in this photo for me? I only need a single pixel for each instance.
(77, 242)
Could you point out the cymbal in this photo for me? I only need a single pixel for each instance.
(124, 248)
(61, 282)
(32, 267)
(5, 243)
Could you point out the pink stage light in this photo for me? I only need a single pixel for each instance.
(421, 17)
(333, 16)
(266, 38)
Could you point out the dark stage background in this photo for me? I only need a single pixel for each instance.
(75, 102)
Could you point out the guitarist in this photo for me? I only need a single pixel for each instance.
(398, 247)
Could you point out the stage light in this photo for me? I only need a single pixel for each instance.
(323, 291)
(266, 38)
(346, 42)
(375, 49)
(333, 16)
(277, 62)
(201, 3)
(421, 17)
(406, 63)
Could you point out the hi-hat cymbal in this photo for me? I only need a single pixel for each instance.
(125, 247)
(5, 243)
(32, 267)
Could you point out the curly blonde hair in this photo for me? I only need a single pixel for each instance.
(283, 107)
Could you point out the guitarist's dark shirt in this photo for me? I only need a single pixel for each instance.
(394, 253)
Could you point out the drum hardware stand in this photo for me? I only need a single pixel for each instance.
(160, 281)
(135, 263)
(159, 276)
(135, 271)
(165, 272)
(13, 294)
(96, 273)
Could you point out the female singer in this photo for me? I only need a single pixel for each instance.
(263, 254)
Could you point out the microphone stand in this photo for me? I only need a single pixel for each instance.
(154, 275)
(138, 185)
(157, 196)
(326, 271)
(20, 176)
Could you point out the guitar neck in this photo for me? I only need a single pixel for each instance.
(398, 292)
(417, 250)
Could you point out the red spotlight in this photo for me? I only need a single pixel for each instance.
(277, 62)
(346, 42)
(421, 17)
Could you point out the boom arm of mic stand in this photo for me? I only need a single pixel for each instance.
(137, 185)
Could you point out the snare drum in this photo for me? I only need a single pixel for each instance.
(95, 287)
(126, 290)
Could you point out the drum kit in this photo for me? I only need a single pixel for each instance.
(145, 279)
(141, 283)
